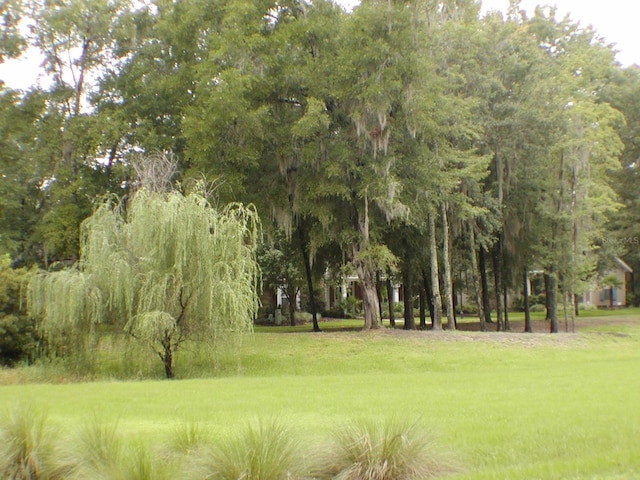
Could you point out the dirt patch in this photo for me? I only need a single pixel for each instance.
(469, 331)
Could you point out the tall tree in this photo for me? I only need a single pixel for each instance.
(622, 236)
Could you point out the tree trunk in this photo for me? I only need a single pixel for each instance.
(476, 280)
(446, 259)
(565, 307)
(426, 284)
(369, 298)
(367, 276)
(482, 265)
(379, 294)
(308, 275)
(527, 310)
(365, 269)
(498, 285)
(505, 298)
(409, 320)
(167, 358)
(291, 297)
(422, 307)
(546, 299)
(552, 296)
(435, 282)
(392, 316)
(611, 294)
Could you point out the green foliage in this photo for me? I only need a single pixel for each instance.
(611, 281)
(381, 450)
(11, 39)
(350, 305)
(266, 451)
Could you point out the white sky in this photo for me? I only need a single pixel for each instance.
(615, 20)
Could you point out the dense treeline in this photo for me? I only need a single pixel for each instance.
(413, 140)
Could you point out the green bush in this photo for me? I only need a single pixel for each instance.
(335, 312)
(470, 309)
(17, 331)
(584, 307)
(633, 299)
(351, 307)
(389, 450)
(17, 339)
(518, 302)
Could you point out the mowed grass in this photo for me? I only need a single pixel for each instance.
(502, 405)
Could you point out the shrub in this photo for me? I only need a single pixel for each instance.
(398, 308)
(17, 331)
(470, 309)
(17, 339)
(389, 450)
(335, 312)
(27, 447)
(633, 299)
(303, 317)
(263, 452)
(351, 306)
(585, 307)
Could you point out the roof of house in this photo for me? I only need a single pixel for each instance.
(623, 265)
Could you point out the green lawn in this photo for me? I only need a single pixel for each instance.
(505, 405)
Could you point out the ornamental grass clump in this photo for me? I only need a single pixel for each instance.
(266, 451)
(27, 447)
(99, 452)
(188, 437)
(375, 450)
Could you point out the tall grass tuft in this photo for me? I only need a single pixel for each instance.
(99, 450)
(373, 450)
(267, 451)
(140, 464)
(189, 436)
(27, 446)
(100, 453)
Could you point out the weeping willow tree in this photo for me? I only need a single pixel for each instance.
(167, 268)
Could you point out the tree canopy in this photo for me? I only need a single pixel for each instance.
(413, 135)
